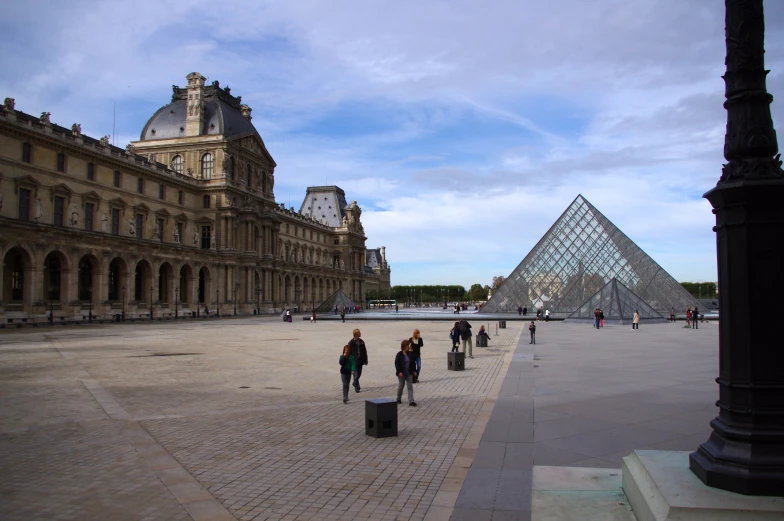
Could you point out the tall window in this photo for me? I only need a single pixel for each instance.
(161, 191)
(207, 165)
(53, 269)
(85, 280)
(59, 206)
(206, 201)
(140, 185)
(89, 210)
(117, 178)
(139, 224)
(205, 237)
(115, 221)
(180, 197)
(27, 152)
(24, 204)
(17, 277)
(90, 172)
(114, 280)
(160, 230)
(248, 175)
(177, 164)
(60, 162)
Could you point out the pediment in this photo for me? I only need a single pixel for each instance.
(91, 195)
(141, 207)
(118, 201)
(205, 221)
(26, 181)
(163, 212)
(181, 217)
(254, 144)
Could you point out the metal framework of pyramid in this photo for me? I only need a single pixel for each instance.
(338, 299)
(618, 303)
(580, 253)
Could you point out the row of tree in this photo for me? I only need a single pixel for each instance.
(437, 293)
(701, 289)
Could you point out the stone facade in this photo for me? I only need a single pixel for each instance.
(182, 221)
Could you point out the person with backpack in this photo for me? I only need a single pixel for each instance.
(454, 336)
(347, 368)
(465, 336)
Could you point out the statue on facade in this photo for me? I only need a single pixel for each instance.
(76, 129)
(189, 171)
(301, 256)
(105, 141)
(104, 223)
(342, 264)
(345, 221)
(131, 228)
(195, 238)
(212, 241)
(227, 163)
(151, 158)
(45, 118)
(157, 231)
(74, 216)
(177, 233)
(130, 149)
(39, 209)
(9, 104)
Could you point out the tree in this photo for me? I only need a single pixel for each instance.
(700, 289)
(477, 292)
(497, 281)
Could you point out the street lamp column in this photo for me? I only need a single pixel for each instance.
(217, 302)
(744, 451)
(122, 317)
(176, 302)
(151, 303)
(236, 287)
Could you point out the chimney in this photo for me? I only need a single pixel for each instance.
(384, 256)
(194, 121)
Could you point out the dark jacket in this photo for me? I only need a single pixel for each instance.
(454, 335)
(416, 346)
(346, 364)
(400, 360)
(358, 351)
(465, 329)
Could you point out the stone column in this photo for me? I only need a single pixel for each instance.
(745, 452)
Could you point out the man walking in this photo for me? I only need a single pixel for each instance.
(695, 318)
(465, 336)
(359, 352)
(532, 331)
(596, 315)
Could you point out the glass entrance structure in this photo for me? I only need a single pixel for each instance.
(580, 253)
(618, 303)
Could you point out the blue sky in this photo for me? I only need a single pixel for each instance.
(462, 128)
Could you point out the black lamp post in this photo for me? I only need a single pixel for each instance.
(122, 317)
(151, 305)
(90, 312)
(745, 452)
(236, 287)
(176, 301)
(217, 298)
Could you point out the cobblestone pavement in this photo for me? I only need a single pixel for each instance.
(238, 419)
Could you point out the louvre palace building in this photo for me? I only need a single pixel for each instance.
(181, 221)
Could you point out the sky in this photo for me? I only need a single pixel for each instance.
(463, 128)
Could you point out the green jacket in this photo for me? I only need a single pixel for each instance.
(347, 364)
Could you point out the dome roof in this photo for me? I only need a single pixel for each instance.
(223, 114)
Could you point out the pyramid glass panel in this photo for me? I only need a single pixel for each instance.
(338, 299)
(580, 253)
(618, 303)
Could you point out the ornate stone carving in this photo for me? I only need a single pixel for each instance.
(130, 149)
(213, 244)
(195, 238)
(74, 216)
(105, 141)
(76, 129)
(131, 228)
(45, 118)
(9, 104)
(227, 163)
(105, 223)
(177, 233)
(39, 209)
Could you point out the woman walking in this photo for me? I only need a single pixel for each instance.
(636, 320)
(454, 336)
(416, 350)
(405, 369)
(347, 368)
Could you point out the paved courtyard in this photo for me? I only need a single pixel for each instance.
(243, 418)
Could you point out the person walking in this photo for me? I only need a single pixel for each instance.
(532, 332)
(547, 315)
(525, 311)
(636, 320)
(695, 318)
(465, 336)
(688, 316)
(288, 315)
(596, 318)
(347, 368)
(405, 369)
(359, 351)
(601, 317)
(454, 336)
(313, 317)
(416, 350)
(343, 315)
(519, 311)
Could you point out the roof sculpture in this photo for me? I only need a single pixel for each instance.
(580, 253)
(618, 303)
(338, 299)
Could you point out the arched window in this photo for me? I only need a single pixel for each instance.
(177, 164)
(207, 165)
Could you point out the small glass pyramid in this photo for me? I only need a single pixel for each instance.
(618, 303)
(338, 299)
(580, 253)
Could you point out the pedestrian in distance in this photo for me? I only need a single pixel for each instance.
(601, 317)
(596, 318)
(416, 350)
(454, 336)
(313, 317)
(688, 316)
(359, 352)
(695, 318)
(288, 315)
(465, 336)
(397, 308)
(532, 332)
(343, 315)
(347, 368)
(525, 311)
(482, 333)
(519, 311)
(547, 315)
(636, 320)
(405, 369)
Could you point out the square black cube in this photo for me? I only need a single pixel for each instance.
(381, 417)
(502, 324)
(481, 341)
(455, 361)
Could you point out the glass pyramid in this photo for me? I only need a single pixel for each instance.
(618, 303)
(580, 253)
(338, 299)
